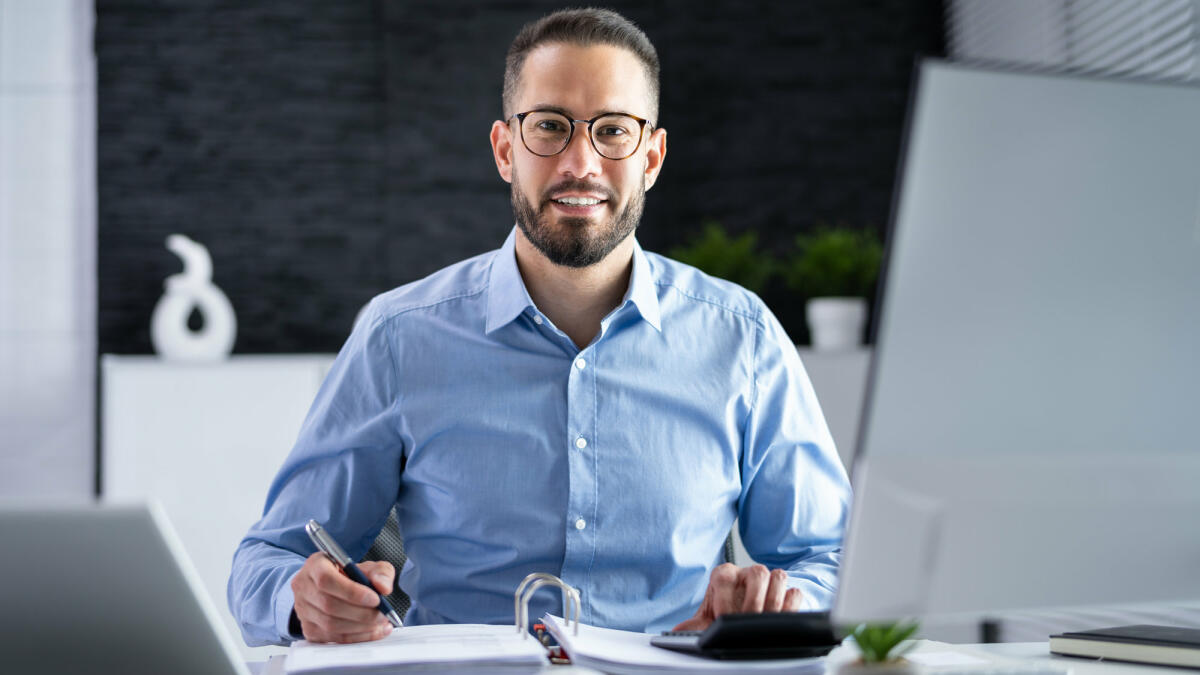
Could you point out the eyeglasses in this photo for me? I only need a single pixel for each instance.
(614, 135)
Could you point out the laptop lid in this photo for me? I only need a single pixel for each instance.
(104, 589)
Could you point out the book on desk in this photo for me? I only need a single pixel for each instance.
(1164, 645)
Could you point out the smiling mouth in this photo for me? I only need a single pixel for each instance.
(577, 201)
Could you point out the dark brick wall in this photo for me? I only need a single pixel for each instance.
(327, 151)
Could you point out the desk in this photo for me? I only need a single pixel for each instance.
(1040, 651)
(1031, 651)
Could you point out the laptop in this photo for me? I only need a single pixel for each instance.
(104, 589)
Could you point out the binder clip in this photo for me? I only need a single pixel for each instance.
(529, 586)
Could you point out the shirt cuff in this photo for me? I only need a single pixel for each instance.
(285, 603)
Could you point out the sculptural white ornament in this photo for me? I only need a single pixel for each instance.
(192, 289)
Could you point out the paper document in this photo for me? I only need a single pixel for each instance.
(486, 647)
(624, 652)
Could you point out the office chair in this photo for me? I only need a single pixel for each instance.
(389, 546)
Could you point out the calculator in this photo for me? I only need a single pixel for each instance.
(773, 635)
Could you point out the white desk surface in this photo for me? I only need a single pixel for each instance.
(1040, 651)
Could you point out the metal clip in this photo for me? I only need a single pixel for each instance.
(529, 586)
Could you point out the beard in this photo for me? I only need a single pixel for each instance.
(575, 242)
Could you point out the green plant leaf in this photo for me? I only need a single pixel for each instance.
(834, 262)
(881, 642)
(733, 259)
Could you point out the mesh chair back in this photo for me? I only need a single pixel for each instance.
(389, 546)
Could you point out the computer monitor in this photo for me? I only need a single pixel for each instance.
(1031, 433)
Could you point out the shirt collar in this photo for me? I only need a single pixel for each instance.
(643, 292)
(507, 295)
(508, 298)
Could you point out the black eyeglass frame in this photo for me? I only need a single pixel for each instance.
(642, 124)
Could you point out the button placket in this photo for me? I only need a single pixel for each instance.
(580, 444)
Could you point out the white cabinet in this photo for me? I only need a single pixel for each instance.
(205, 441)
(840, 379)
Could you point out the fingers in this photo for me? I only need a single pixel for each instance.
(381, 573)
(332, 608)
(726, 591)
(776, 592)
(756, 581)
(791, 600)
(330, 581)
(757, 589)
(697, 622)
(753, 589)
(377, 634)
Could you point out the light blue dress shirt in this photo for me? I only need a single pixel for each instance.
(508, 450)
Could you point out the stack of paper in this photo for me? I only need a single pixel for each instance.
(469, 647)
(622, 652)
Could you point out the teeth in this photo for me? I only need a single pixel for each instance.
(577, 201)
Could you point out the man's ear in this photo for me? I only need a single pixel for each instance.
(656, 152)
(502, 149)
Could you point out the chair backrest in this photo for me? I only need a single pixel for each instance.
(389, 546)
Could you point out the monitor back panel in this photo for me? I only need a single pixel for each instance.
(1029, 437)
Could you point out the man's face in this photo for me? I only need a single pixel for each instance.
(581, 82)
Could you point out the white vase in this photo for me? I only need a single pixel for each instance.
(192, 289)
(836, 324)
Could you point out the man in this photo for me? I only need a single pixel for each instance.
(566, 404)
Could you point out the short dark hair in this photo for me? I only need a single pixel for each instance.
(583, 27)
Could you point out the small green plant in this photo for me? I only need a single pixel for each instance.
(733, 259)
(880, 642)
(834, 262)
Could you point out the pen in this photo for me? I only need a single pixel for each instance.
(330, 548)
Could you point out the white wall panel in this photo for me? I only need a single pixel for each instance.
(38, 45)
(47, 249)
(39, 147)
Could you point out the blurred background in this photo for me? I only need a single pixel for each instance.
(325, 152)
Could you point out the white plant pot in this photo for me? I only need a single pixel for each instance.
(899, 667)
(836, 324)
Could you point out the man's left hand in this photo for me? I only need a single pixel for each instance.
(753, 589)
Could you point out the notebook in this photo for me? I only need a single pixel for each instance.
(1166, 645)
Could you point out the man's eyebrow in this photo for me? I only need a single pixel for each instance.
(561, 110)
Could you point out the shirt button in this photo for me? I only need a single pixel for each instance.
(580, 524)
(580, 364)
(537, 318)
(581, 442)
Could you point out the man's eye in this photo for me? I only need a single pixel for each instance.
(549, 125)
(611, 131)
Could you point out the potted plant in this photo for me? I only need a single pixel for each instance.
(881, 648)
(835, 268)
(730, 258)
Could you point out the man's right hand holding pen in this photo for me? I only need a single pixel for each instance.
(333, 608)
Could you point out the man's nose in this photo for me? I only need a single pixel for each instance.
(580, 158)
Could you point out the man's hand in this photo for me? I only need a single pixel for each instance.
(333, 608)
(753, 589)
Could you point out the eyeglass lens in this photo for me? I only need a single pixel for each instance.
(614, 136)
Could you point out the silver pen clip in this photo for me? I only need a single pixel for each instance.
(326, 544)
